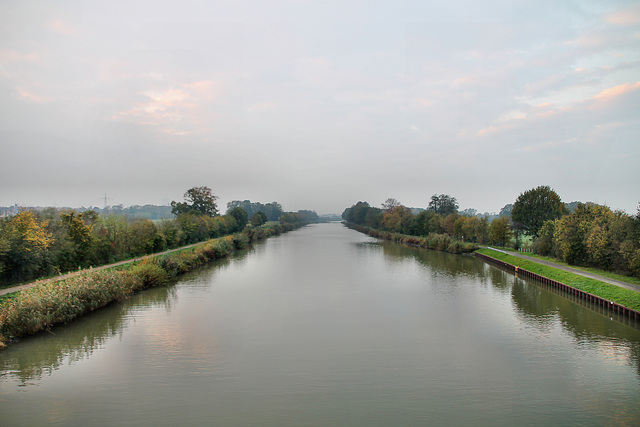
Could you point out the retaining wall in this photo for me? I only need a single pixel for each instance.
(521, 272)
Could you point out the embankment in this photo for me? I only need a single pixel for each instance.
(59, 301)
(620, 300)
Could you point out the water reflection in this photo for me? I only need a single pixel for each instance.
(325, 326)
(43, 353)
(614, 336)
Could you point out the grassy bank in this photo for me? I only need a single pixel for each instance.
(607, 291)
(438, 242)
(40, 307)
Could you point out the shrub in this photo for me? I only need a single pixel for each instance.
(150, 273)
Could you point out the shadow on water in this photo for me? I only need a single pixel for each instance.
(41, 354)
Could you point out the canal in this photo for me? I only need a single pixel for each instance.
(325, 326)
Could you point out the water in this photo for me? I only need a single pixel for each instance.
(326, 326)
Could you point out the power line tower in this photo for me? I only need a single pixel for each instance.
(106, 200)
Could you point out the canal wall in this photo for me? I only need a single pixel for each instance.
(586, 296)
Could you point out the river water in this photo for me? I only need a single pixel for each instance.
(326, 326)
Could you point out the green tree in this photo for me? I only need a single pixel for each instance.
(258, 219)
(443, 204)
(500, 231)
(80, 236)
(532, 208)
(241, 216)
(356, 213)
(198, 200)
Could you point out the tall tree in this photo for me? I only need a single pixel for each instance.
(240, 215)
(443, 204)
(389, 204)
(532, 208)
(198, 200)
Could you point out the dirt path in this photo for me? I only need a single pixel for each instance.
(572, 270)
(76, 273)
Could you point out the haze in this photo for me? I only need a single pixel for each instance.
(319, 104)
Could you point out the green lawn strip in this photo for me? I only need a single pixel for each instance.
(607, 274)
(622, 296)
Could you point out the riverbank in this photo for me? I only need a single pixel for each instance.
(437, 242)
(619, 295)
(625, 296)
(58, 301)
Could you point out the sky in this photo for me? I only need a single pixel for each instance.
(319, 104)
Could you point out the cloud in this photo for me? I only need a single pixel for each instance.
(617, 91)
(8, 56)
(177, 111)
(60, 27)
(628, 16)
(29, 96)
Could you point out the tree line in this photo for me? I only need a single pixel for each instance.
(36, 244)
(440, 217)
(584, 234)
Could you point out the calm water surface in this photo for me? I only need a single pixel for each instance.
(326, 326)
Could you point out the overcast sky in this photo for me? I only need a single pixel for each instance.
(319, 104)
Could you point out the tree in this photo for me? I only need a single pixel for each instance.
(24, 241)
(198, 200)
(272, 210)
(506, 210)
(443, 204)
(499, 231)
(398, 220)
(389, 204)
(258, 219)
(356, 213)
(241, 216)
(532, 208)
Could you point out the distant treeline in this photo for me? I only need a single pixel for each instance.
(400, 219)
(36, 244)
(152, 212)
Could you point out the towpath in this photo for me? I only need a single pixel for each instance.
(572, 270)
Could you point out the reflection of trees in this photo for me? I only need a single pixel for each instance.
(45, 352)
(439, 262)
(539, 305)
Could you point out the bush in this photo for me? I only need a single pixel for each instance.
(150, 273)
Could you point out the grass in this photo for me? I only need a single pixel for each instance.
(622, 296)
(607, 274)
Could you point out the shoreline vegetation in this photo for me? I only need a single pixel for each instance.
(59, 301)
(437, 242)
(445, 243)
